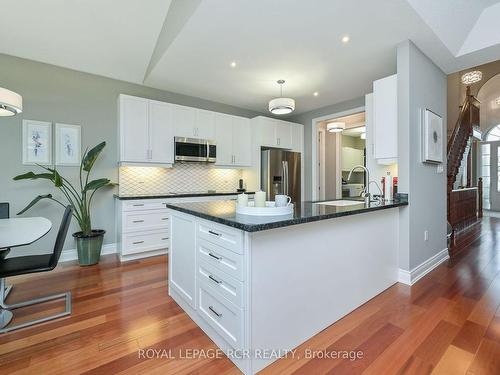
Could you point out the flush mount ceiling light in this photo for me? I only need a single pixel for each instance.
(472, 77)
(11, 103)
(281, 105)
(363, 136)
(335, 127)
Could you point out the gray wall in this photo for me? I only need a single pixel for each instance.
(306, 120)
(61, 95)
(421, 85)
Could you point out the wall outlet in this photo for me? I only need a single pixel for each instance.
(440, 168)
(426, 235)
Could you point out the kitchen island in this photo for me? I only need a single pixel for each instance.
(259, 287)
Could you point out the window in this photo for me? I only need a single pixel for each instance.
(493, 134)
(485, 173)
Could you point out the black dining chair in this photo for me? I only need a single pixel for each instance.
(4, 214)
(32, 264)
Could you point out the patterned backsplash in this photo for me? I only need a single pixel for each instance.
(183, 177)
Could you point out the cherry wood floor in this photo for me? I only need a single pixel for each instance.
(447, 323)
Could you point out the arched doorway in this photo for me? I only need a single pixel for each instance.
(489, 150)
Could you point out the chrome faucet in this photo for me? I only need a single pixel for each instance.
(367, 194)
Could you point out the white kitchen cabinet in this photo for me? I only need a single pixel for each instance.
(161, 139)
(193, 123)
(233, 140)
(274, 133)
(144, 131)
(297, 137)
(385, 120)
(351, 157)
(133, 129)
(181, 260)
(205, 124)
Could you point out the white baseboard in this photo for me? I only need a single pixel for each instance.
(71, 254)
(411, 277)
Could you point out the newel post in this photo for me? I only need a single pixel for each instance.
(480, 197)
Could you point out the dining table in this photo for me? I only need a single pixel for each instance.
(16, 232)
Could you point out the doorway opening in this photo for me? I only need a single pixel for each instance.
(340, 148)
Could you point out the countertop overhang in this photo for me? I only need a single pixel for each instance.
(224, 212)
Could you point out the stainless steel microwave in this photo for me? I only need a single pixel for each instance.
(194, 149)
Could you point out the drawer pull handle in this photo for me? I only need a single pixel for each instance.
(219, 315)
(138, 205)
(215, 233)
(215, 257)
(138, 221)
(164, 218)
(164, 239)
(214, 279)
(137, 242)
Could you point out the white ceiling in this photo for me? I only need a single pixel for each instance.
(295, 40)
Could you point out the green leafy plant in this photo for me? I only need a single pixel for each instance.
(80, 199)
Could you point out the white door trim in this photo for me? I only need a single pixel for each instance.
(314, 145)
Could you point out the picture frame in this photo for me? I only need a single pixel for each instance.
(37, 142)
(68, 144)
(432, 138)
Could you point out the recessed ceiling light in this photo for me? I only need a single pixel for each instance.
(345, 38)
(315, 93)
(233, 64)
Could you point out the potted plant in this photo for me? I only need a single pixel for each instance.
(88, 240)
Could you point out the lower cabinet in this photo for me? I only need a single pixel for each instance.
(181, 260)
(210, 258)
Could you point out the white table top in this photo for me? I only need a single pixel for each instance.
(22, 231)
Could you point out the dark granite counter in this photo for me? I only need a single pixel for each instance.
(224, 212)
(209, 193)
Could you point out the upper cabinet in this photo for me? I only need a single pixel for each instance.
(144, 131)
(147, 129)
(277, 133)
(193, 123)
(385, 120)
(233, 138)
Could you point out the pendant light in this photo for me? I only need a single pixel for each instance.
(11, 103)
(281, 105)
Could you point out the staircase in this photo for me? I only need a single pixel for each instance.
(462, 133)
(463, 204)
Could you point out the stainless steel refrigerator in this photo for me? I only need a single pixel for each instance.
(280, 173)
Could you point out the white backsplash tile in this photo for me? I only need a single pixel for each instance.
(183, 177)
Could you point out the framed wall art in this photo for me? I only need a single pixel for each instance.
(68, 145)
(432, 138)
(37, 142)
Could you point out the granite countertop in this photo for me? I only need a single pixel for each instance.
(208, 193)
(224, 212)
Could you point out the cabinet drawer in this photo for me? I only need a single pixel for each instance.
(224, 236)
(144, 220)
(218, 281)
(141, 242)
(223, 316)
(143, 204)
(221, 258)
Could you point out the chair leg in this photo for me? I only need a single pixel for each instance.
(6, 314)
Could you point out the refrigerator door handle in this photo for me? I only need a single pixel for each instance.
(285, 168)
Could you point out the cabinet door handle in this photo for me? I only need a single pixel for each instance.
(138, 221)
(214, 279)
(137, 242)
(164, 218)
(215, 256)
(219, 315)
(164, 238)
(138, 205)
(214, 233)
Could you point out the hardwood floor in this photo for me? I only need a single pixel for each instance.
(447, 323)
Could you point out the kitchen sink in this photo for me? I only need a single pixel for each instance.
(341, 203)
